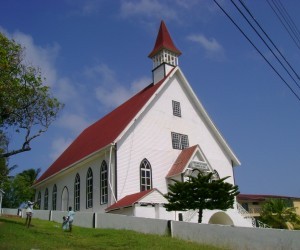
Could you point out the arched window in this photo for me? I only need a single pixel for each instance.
(145, 175)
(77, 193)
(89, 189)
(103, 183)
(39, 200)
(54, 197)
(46, 199)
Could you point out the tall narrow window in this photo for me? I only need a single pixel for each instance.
(77, 193)
(145, 175)
(179, 141)
(103, 183)
(39, 200)
(46, 199)
(176, 108)
(54, 197)
(89, 189)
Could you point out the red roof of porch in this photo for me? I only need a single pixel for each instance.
(181, 161)
(129, 200)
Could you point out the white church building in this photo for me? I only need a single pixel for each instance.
(124, 162)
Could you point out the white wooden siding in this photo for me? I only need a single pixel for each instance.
(150, 137)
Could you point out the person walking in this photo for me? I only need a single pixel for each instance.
(71, 215)
(29, 212)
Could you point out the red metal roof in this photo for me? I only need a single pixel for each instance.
(164, 41)
(129, 200)
(181, 161)
(103, 132)
(261, 197)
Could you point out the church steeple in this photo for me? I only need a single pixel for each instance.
(164, 54)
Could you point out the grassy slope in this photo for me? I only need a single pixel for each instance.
(49, 235)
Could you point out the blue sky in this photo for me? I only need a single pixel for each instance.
(93, 54)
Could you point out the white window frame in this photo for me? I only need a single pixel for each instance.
(176, 108)
(46, 199)
(103, 183)
(54, 197)
(179, 141)
(89, 188)
(39, 199)
(77, 193)
(145, 175)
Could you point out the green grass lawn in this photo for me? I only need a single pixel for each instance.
(49, 235)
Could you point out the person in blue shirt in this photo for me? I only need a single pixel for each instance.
(65, 224)
(71, 215)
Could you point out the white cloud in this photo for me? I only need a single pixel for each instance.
(111, 98)
(212, 48)
(84, 7)
(107, 75)
(187, 4)
(208, 44)
(37, 56)
(147, 8)
(109, 92)
(58, 146)
(139, 84)
(73, 122)
(65, 90)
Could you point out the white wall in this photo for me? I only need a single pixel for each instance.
(141, 225)
(236, 237)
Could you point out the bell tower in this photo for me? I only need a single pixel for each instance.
(164, 54)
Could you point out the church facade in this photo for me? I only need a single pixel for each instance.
(124, 162)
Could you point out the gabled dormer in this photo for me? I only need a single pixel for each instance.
(164, 54)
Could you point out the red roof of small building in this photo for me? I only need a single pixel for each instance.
(181, 161)
(261, 197)
(164, 41)
(129, 200)
(103, 132)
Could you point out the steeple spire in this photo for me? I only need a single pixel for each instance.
(164, 54)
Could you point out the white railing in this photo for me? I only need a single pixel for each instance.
(246, 215)
(188, 215)
(242, 211)
(254, 210)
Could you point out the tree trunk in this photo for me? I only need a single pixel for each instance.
(200, 213)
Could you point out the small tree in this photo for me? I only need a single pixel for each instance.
(201, 193)
(277, 214)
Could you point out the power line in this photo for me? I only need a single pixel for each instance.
(294, 26)
(244, 5)
(294, 37)
(265, 41)
(249, 40)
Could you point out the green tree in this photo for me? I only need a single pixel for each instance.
(277, 214)
(201, 193)
(19, 188)
(27, 107)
